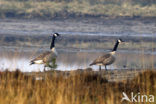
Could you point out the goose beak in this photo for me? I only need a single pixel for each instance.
(55, 35)
(58, 35)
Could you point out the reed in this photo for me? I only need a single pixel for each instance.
(80, 87)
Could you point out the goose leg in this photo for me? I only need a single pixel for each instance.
(99, 67)
(105, 67)
(44, 68)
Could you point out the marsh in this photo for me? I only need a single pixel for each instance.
(82, 40)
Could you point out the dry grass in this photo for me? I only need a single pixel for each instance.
(76, 88)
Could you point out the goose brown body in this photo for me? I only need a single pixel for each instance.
(107, 59)
(45, 57)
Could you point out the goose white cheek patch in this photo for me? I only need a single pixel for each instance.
(55, 35)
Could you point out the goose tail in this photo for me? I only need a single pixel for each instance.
(91, 64)
(32, 62)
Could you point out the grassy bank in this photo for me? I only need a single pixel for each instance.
(76, 88)
(48, 9)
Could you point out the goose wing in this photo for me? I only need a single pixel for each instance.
(100, 59)
(49, 57)
(44, 58)
(40, 57)
(109, 59)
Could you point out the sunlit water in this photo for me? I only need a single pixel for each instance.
(67, 60)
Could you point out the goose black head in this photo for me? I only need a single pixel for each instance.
(120, 40)
(53, 40)
(116, 44)
(56, 34)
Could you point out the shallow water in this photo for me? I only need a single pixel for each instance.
(68, 60)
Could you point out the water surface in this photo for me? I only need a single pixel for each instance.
(72, 60)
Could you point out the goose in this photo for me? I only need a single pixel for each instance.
(107, 59)
(48, 56)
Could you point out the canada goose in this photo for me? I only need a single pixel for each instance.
(107, 59)
(48, 56)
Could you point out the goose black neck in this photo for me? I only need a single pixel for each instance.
(115, 46)
(52, 43)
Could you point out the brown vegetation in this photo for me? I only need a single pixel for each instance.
(77, 88)
(72, 8)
